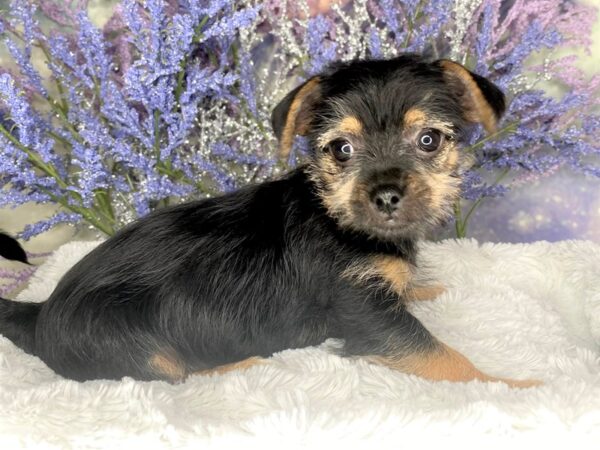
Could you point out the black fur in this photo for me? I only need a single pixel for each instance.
(213, 282)
(246, 274)
(18, 322)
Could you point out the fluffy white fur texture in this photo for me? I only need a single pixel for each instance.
(521, 311)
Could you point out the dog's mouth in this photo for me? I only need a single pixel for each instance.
(393, 231)
(391, 225)
(411, 218)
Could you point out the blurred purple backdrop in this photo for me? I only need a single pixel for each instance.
(562, 206)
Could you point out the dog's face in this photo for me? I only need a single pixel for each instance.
(384, 136)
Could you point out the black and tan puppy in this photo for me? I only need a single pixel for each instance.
(328, 251)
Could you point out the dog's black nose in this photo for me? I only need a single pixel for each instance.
(387, 198)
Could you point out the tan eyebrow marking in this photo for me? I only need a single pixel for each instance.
(347, 125)
(350, 124)
(414, 116)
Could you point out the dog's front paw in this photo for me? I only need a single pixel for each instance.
(521, 384)
(418, 293)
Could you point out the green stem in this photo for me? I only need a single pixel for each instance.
(461, 223)
(181, 74)
(104, 204)
(125, 201)
(510, 127)
(157, 134)
(48, 169)
(465, 220)
(59, 86)
(86, 213)
(178, 175)
(255, 119)
(458, 222)
(58, 138)
(180, 78)
(411, 25)
(61, 107)
(65, 121)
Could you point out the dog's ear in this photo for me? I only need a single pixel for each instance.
(293, 114)
(482, 101)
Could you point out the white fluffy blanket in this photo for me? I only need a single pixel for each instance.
(520, 311)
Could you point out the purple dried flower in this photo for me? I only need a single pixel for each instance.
(44, 225)
(319, 46)
(229, 24)
(115, 35)
(390, 14)
(29, 128)
(170, 100)
(22, 16)
(96, 64)
(63, 12)
(17, 278)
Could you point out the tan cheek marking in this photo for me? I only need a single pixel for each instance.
(478, 110)
(417, 186)
(452, 158)
(167, 367)
(442, 187)
(294, 126)
(338, 198)
(240, 365)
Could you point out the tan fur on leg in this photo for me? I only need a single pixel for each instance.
(167, 367)
(240, 365)
(447, 364)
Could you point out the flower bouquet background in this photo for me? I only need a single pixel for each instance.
(171, 99)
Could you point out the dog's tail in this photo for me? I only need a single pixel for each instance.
(17, 323)
(17, 319)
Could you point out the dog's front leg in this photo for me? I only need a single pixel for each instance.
(404, 344)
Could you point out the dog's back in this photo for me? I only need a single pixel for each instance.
(201, 285)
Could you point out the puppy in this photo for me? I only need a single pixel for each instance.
(327, 251)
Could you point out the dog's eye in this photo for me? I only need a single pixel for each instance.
(341, 150)
(429, 140)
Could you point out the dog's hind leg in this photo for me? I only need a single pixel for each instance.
(239, 365)
(167, 367)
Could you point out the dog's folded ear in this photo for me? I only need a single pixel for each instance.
(482, 101)
(293, 114)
